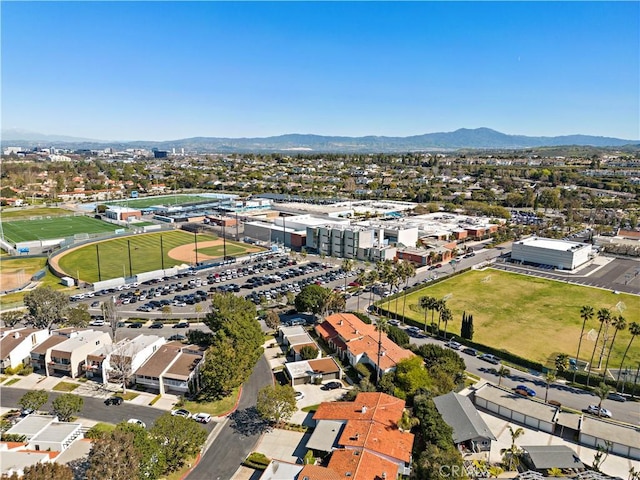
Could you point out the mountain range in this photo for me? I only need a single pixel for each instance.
(478, 138)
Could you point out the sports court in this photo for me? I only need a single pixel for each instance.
(47, 228)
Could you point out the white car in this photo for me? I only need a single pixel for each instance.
(453, 345)
(202, 417)
(96, 323)
(593, 409)
(299, 395)
(135, 421)
(181, 412)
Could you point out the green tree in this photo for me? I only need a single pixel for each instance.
(12, 317)
(276, 403)
(46, 306)
(549, 378)
(381, 326)
(634, 330)
(152, 463)
(619, 323)
(503, 372)
(440, 359)
(113, 456)
(586, 313)
(33, 400)
(604, 317)
(221, 371)
(512, 455)
(308, 352)
(67, 405)
(427, 304)
(435, 463)
(272, 319)
(78, 316)
(312, 298)
(562, 362)
(46, 471)
(433, 428)
(446, 316)
(408, 271)
(410, 376)
(398, 336)
(180, 438)
(602, 391)
(346, 266)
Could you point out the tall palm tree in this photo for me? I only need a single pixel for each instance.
(502, 372)
(372, 278)
(634, 330)
(440, 306)
(602, 391)
(361, 279)
(619, 323)
(586, 313)
(512, 454)
(446, 316)
(347, 265)
(549, 378)
(604, 316)
(381, 326)
(425, 304)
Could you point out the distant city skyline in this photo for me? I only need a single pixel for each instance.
(169, 70)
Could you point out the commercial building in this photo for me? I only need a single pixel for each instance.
(122, 214)
(560, 254)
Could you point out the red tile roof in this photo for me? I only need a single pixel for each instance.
(361, 465)
(316, 472)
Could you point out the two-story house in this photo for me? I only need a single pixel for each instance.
(16, 345)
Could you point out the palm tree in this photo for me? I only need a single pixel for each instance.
(502, 372)
(549, 378)
(425, 304)
(604, 316)
(602, 391)
(372, 278)
(347, 266)
(586, 313)
(562, 362)
(619, 323)
(440, 306)
(511, 455)
(381, 326)
(446, 316)
(361, 279)
(409, 271)
(634, 330)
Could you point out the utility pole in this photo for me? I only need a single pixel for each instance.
(98, 259)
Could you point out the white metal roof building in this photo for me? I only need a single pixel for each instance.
(559, 254)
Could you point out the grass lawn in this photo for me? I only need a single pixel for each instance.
(219, 407)
(128, 395)
(159, 200)
(218, 251)
(114, 255)
(180, 473)
(25, 213)
(65, 387)
(50, 228)
(531, 317)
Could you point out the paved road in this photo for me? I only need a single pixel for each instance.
(239, 434)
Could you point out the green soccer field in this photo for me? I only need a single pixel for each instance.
(114, 255)
(532, 317)
(159, 200)
(55, 227)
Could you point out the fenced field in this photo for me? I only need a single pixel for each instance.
(51, 227)
(151, 251)
(159, 200)
(532, 317)
(26, 213)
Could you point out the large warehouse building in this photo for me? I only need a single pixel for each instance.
(560, 254)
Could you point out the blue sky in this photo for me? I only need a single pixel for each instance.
(163, 70)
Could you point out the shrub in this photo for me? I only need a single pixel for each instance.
(24, 371)
(257, 460)
(99, 430)
(13, 437)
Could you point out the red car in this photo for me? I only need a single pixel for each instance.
(354, 284)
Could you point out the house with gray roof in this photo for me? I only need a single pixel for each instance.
(545, 457)
(470, 432)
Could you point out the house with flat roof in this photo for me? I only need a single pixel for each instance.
(16, 461)
(111, 362)
(45, 432)
(173, 367)
(70, 356)
(541, 458)
(16, 345)
(470, 432)
(357, 342)
(369, 434)
(294, 339)
(310, 371)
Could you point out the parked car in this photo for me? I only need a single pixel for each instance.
(616, 397)
(135, 325)
(135, 421)
(181, 325)
(95, 304)
(331, 386)
(453, 345)
(181, 412)
(157, 325)
(526, 391)
(299, 395)
(96, 323)
(487, 357)
(593, 409)
(177, 338)
(470, 351)
(202, 417)
(113, 401)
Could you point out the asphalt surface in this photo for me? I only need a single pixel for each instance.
(239, 434)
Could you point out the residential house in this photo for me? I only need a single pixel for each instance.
(70, 356)
(112, 361)
(173, 368)
(294, 339)
(310, 371)
(369, 445)
(45, 432)
(16, 345)
(358, 342)
(470, 433)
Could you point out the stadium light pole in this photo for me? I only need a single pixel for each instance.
(161, 253)
(98, 262)
(224, 243)
(195, 240)
(129, 249)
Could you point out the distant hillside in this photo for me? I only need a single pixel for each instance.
(479, 138)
